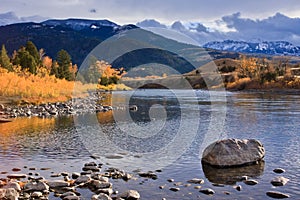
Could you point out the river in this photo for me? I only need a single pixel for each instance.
(164, 130)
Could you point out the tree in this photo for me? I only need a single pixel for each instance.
(32, 50)
(64, 62)
(25, 60)
(4, 59)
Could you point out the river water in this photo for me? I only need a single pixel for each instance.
(164, 130)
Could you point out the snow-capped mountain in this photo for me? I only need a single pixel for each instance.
(271, 48)
(79, 24)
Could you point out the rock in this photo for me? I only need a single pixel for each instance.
(198, 187)
(101, 197)
(16, 169)
(58, 183)
(11, 194)
(67, 194)
(96, 184)
(35, 186)
(238, 187)
(36, 195)
(82, 179)
(279, 170)
(161, 186)
(207, 191)
(174, 189)
(13, 185)
(130, 194)
(64, 173)
(75, 175)
(16, 176)
(233, 152)
(279, 181)
(250, 182)
(107, 191)
(90, 164)
(128, 176)
(196, 181)
(170, 180)
(71, 198)
(2, 193)
(148, 175)
(91, 168)
(277, 195)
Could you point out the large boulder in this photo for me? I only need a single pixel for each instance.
(233, 152)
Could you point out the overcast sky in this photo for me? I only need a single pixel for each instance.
(212, 19)
(165, 11)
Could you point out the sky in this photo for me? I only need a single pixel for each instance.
(165, 11)
(207, 19)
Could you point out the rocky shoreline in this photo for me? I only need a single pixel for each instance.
(98, 180)
(71, 107)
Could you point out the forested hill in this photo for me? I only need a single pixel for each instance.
(76, 36)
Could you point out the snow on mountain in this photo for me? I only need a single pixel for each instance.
(79, 24)
(272, 48)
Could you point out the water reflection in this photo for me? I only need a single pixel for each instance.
(229, 176)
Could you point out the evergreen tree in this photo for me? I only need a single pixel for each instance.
(64, 63)
(25, 60)
(4, 59)
(33, 51)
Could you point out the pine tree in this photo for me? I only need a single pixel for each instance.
(33, 51)
(64, 62)
(25, 60)
(4, 59)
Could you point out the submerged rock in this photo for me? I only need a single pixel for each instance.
(279, 170)
(233, 152)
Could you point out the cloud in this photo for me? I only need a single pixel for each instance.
(151, 23)
(277, 27)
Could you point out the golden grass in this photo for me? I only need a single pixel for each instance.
(36, 89)
(114, 87)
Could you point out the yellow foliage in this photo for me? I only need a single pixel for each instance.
(38, 88)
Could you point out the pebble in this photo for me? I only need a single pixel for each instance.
(279, 181)
(207, 191)
(75, 175)
(58, 183)
(16, 169)
(16, 176)
(170, 180)
(148, 175)
(238, 187)
(251, 182)
(279, 170)
(161, 186)
(175, 189)
(36, 194)
(196, 181)
(101, 197)
(277, 195)
(198, 187)
(130, 194)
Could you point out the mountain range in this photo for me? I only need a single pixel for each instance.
(80, 36)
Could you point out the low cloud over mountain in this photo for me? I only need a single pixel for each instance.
(11, 18)
(234, 27)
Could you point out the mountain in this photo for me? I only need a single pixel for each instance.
(269, 48)
(11, 18)
(77, 36)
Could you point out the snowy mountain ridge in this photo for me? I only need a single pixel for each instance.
(265, 47)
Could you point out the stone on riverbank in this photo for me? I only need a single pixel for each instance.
(233, 152)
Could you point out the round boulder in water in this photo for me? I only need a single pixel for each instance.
(233, 152)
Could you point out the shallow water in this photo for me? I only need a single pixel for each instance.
(168, 131)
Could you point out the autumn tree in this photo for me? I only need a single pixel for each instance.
(4, 59)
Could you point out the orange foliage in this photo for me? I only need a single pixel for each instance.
(38, 88)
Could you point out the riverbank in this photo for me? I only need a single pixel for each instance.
(79, 105)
